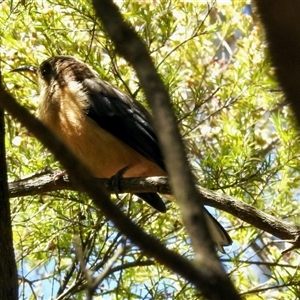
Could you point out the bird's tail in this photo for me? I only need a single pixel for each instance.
(218, 234)
(154, 200)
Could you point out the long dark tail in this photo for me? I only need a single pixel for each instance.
(218, 234)
(154, 200)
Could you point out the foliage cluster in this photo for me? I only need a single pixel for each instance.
(238, 131)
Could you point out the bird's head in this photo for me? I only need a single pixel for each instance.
(59, 70)
(62, 83)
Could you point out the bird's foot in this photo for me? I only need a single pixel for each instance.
(115, 180)
(59, 175)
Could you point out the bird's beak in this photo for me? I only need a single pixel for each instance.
(30, 69)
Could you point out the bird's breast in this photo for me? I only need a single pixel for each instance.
(101, 151)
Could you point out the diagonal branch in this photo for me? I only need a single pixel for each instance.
(182, 181)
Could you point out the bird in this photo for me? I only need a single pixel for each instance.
(107, 129)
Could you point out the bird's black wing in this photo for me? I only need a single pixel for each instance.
(127, 120)
(124, 118)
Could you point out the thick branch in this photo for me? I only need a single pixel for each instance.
(8, 269)
(47, 182)
(281, 22)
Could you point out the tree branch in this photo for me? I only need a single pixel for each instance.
(182, 181)
(281, 22)
(8, 268)
(43, 183)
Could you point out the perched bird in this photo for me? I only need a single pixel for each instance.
(103, 126)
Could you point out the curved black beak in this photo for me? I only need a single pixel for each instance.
(30, 69)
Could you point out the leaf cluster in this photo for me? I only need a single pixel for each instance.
(239, 134)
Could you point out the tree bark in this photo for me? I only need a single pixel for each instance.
(8, 269)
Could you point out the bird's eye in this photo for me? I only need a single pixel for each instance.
(46, 71)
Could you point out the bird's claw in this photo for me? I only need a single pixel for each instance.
(115, 180)
(59, 175)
